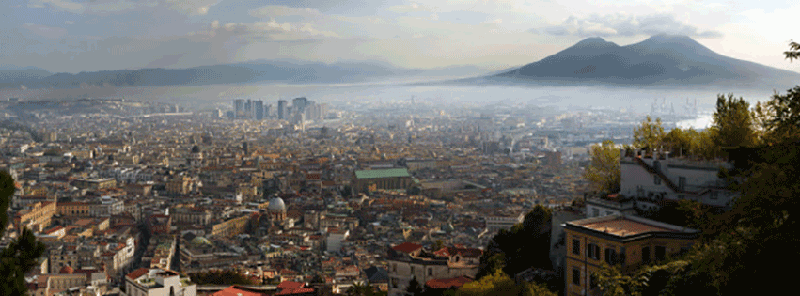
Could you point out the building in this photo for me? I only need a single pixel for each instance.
(371, 180)
(38, 216)
(158, 282)
(180, 185)
(238, 108)
(230, 227)
(504, 219)
(614, 204)
(282, 109)
(299, 105)
(95, 184)
(409, 260)
(655, 177)
(258, 110)
(626, 241)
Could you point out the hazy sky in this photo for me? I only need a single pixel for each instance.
(86, 35)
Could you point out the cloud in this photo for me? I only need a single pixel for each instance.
(627, 26)
(45, 31)
(271, 30)
(189, 7)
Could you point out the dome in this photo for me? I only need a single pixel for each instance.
(66, 269)
(277, 205)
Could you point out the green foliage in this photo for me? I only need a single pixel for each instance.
(794, 51)
(364, 290)
(414, 288)
(523, 246)
(222, 278)
(784, 126)
(733, 123)
(603, 171)
(499, 283)
(689, 142)
(21, 255)
(650, 134)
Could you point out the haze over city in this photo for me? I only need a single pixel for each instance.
(398, 148)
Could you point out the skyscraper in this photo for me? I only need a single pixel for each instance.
(282, 109)
(248, 109)
(299, 105)
(238, 108)
(258, 110)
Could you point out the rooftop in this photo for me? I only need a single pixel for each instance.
(382, 173)
(628, 226)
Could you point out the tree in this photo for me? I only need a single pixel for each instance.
(21, 254)
(499, 283)
(733, 123)
(794, 51)
(414, 288)
(784, 126)
(364, 290)
(603, 170)
(649, 135)
(524, 246)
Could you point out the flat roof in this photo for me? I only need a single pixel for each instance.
(382, 173)
(628, 226)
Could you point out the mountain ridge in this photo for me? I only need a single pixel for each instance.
(660, 59)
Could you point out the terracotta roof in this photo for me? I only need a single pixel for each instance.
(407, 247)
(295, 291)
(448, 283)
(464, 252)
(290, 285)
(137, 273)
(66, 269)
(622, 226)
(233, 291)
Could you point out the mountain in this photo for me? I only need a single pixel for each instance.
(661, 59)
(11, 73)
(278, 71)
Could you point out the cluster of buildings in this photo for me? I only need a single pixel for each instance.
(136, 205)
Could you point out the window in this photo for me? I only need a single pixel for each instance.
(412, 269)
(593, 251)
(611, 256)
(430, 271)
(681, 182)
(661, 253)
(592, 281)
(394, 267)
(608, 213)
(714, 194)
(576, 247)
(576, 276)
(595, 212)
(646, 255)
(656, 180)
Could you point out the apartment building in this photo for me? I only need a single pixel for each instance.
(157, 282)
(409, 260)
(621, 240)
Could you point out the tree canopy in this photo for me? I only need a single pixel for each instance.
(21, 254)
(733, 123)
(500, 284)
(603, 170)
(649, 134)
(523, 246)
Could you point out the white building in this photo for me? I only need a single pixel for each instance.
(333, 243)
(504, 220)
(614, 204)
(408, 260)
(651, 180)
(157, 282)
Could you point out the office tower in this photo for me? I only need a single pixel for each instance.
(258, 110)
(299, 105)
(238, 108)
(248, 109)
(268, 111)
(282, 109)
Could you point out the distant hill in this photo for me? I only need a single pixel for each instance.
(661, 59)
(278, 71)
(10, 74)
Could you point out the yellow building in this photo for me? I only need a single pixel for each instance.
(179, 186)
(231, 227)
(37, 217)
(74, 208)
(626, 241)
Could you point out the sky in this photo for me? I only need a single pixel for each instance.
(90, 35)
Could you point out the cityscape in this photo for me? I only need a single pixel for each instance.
(223, 148)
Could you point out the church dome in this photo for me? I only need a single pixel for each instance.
(66, 269)
(276, 205)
